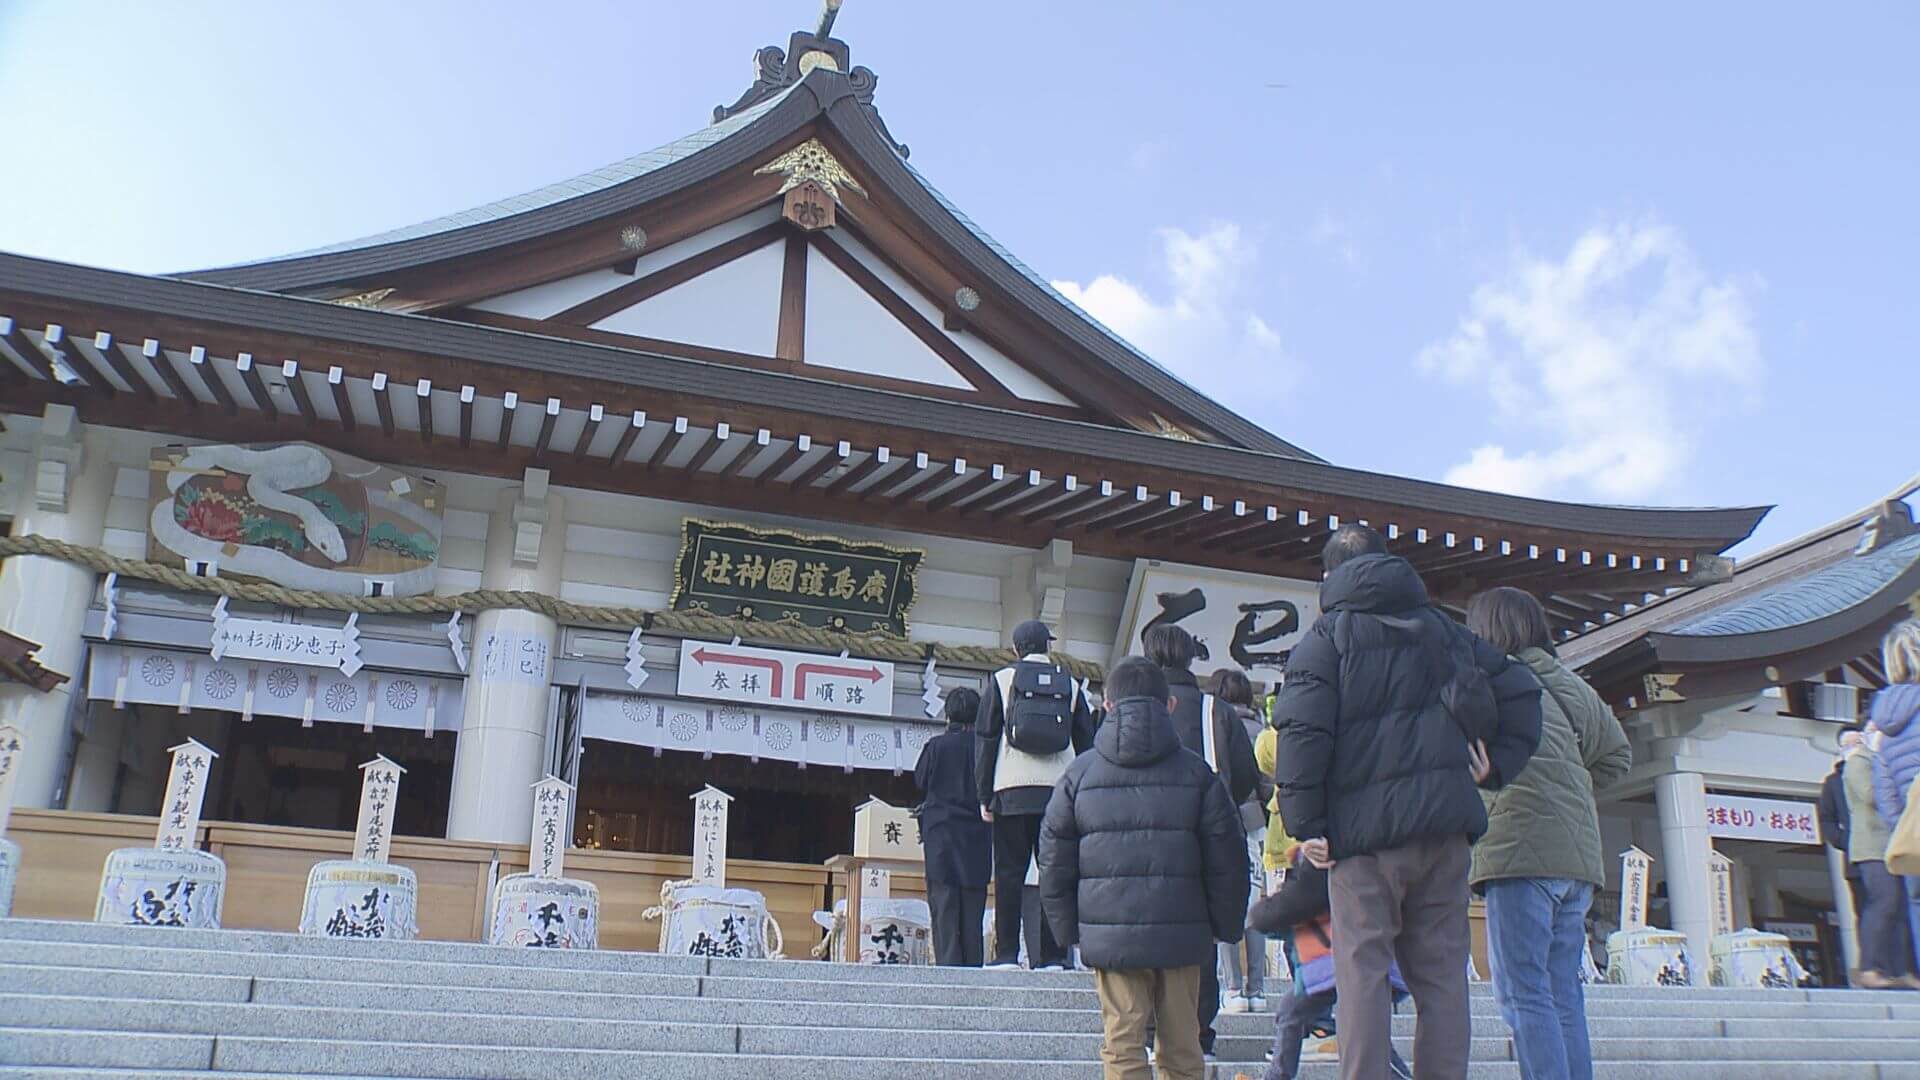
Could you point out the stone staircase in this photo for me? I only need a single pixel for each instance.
(80, 1000)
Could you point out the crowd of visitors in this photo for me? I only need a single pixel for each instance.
(1406, 763)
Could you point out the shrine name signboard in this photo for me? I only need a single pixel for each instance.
(771, 575)
(722, 672)
(1776, 820)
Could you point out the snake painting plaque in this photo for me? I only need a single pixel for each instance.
(296, 515)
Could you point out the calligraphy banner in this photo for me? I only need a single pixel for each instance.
(1249, 621)
(771, 575)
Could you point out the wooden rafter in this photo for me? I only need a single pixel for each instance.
(667, 445)
(1103, 509)
(76, 360)
(423, 408)
(926, 479)
(256, 386)
(154, 354)
(792, 336)
(802, 446)
(467, 394)
(596, 413)
(635, 425)
(1154, 510)
(721, 433)
(549, 418)
(835, 457)
(1033, 487)
(619, 299)
(968, 488)
(16, 338)
(109, 351)
(879, 459)
(509, 408)
(1059, 509)
(746, 454)
(209, 373)
(302, 400)
(382, 403)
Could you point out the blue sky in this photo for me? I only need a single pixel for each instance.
(1642, 253)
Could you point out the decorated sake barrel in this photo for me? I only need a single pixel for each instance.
(347, 899)
(1648, 957)
(9, 871)
(891, 931)
(545, 913)
(706, 920)
(1755, 959)
(151, 887)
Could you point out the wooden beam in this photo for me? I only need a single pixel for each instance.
(802, 445)
(879, 459)
(423, 404)
(792, 338)
(548, 418)
(721, 433)
(588, 312)
(303, 401)
(203, 364)
(635, 426)
(381, 404)
(16, 338)
(1060, 509)
(595, 414)
(927, 478)
(746, 454)
(668, 444)
(342, 404)
(1180, 516)
(1099, 512)
(967, 489)
(930, 335)
(467, 394)
(1152, 510)
(84, 371)
(163, 367)
(103, 344)
(1026, 493)
(829, 461)
(256, 386)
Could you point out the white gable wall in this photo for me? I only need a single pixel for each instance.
(1018, 379)
(736, 307)
(848, 329)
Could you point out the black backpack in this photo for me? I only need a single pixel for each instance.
(1039, 709)
(1465, 692)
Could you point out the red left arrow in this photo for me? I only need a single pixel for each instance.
(801, 671)
(704, 656)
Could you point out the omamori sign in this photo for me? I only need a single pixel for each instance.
(1775, 820)
(771, 575)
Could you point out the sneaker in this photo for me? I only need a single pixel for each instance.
(1327, 1049)
(1003, 965)
(1236, 1004)
(1055, 966)
(1257, 1003)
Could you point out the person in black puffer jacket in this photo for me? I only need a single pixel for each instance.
(1143, 863)
(1380, 782)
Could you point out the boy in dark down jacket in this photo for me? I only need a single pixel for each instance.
(1303, 907)
(1143, 863)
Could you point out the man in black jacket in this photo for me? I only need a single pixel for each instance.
(1014, 787)
(958, 845)
(1377, 777)
(1143, 863)
(1227, 748)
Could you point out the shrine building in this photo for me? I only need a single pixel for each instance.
(717, 465)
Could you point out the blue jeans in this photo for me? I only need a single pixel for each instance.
(1536, 928)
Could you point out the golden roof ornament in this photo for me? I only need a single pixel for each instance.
(810, 161)
(364, 300)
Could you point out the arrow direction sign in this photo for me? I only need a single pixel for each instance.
(1635, 866)
(550, 799)
(13, 749)
(379, 791)
(710, 806)
(747, 675)
(186, 790)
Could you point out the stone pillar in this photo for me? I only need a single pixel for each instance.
(502, 749)
(1843, 908)
(45, 600)
(1681, 799)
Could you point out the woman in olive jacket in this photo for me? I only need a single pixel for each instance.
(1540, 860)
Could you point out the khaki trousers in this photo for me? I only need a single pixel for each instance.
(1167, 999)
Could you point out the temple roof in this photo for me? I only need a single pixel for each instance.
(1827, 591)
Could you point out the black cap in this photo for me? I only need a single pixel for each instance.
(1032, 636)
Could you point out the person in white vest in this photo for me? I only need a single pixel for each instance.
(1034, 720)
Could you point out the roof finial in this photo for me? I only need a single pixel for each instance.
(829, 9)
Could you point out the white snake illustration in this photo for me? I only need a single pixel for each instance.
(270, 475)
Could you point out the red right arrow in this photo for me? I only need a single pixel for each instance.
(703, 656)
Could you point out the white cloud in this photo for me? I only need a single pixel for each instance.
(1612, 360)
(1204, 330)
(1331, 233)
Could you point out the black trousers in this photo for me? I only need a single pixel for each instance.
(959, 914)
(1016, 843)
(1209, 1001)
(1885, 944)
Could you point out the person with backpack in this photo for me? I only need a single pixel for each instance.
(1246, 963)
(1209, 727)
(1143, 864)
(958, 845)
(1392, 717)
(1034, 719)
